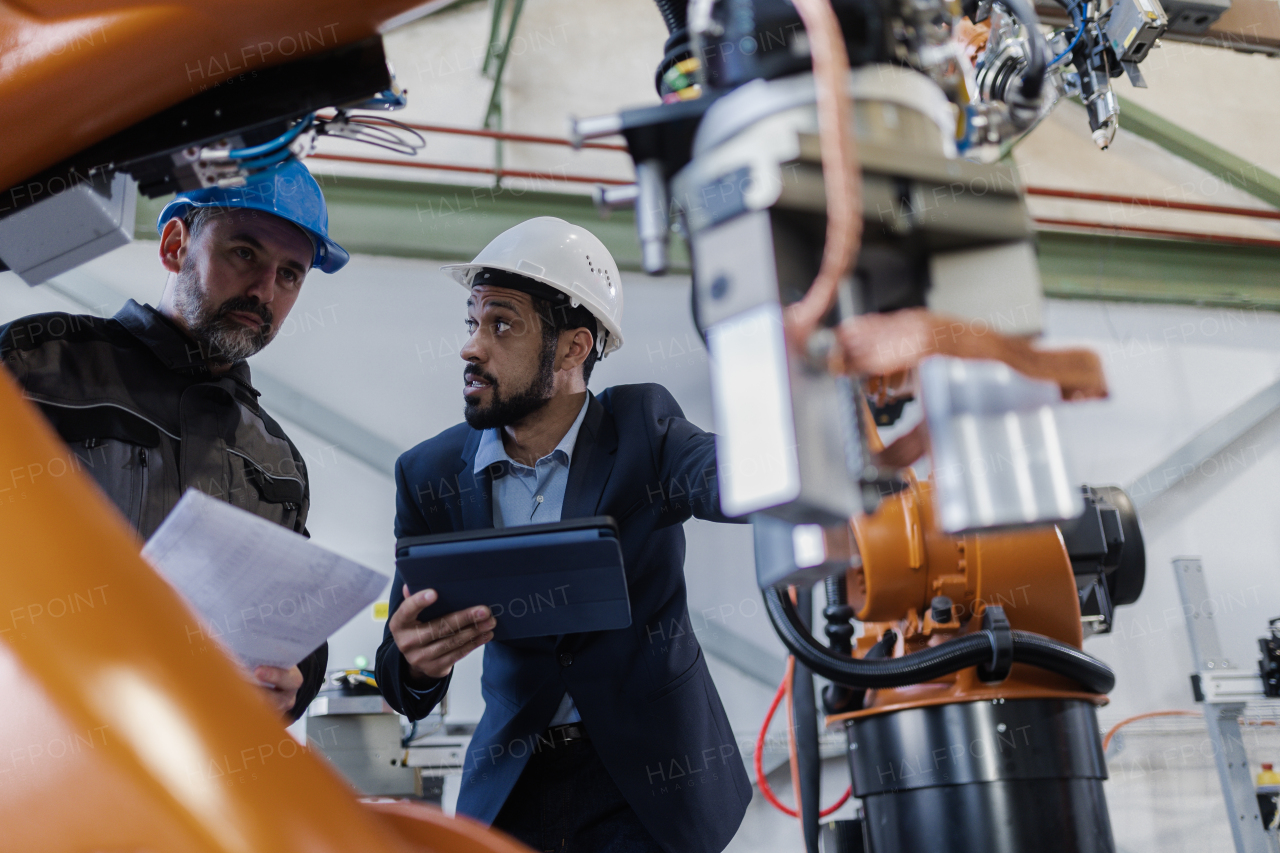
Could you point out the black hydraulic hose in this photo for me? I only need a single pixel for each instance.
(804, 712)
(952, 656)
(674, 13)
(1038, 49)
(1048, 653)
(838, 613)
(844, 699)
(836, 698)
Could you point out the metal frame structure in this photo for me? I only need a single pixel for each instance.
(495, 63)
(1225, 690)
(1206, 444)
(1113, 267)
(392, 217)
(1079, 258)
(1235, 171)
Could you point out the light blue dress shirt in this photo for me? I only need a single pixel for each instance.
(525, 495)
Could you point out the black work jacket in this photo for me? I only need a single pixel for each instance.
(135, 401)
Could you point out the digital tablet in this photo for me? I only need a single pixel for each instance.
(539, 580)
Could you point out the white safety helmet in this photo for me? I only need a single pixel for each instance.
(563, 256)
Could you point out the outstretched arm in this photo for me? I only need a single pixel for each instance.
(686, 457)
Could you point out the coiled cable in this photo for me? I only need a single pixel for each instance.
(974, 649)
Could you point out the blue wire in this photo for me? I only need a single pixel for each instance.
(280, 141)
(271, 159)
(1079, 32)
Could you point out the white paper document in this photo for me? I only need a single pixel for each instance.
(267, 594)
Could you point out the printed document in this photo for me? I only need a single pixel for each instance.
(267, 594)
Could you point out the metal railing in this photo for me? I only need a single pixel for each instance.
(1091, 226)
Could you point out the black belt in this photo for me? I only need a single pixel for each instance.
(567, 733)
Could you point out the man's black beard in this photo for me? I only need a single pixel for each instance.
(222, 339)
(505, 412)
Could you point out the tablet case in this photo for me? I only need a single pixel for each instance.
(539, 580)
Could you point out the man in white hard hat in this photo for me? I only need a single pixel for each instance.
(593, 742)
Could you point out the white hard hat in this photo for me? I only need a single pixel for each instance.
(561, 255)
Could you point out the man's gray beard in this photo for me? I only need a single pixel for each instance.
(221, 339)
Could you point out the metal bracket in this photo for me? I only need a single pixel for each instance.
(1135, 74)
(1225, 691)
(1228, 686)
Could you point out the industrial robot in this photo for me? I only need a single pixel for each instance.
(861, 250)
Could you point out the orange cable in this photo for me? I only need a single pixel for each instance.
(841, 176)
(1107, 739)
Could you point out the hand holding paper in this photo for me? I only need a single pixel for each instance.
(266, 593)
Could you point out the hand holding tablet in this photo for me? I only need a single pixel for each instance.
(432, 648)
(536, 580)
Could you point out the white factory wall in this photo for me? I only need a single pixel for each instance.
(378, 342)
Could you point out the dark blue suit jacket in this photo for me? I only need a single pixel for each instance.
(644, 692)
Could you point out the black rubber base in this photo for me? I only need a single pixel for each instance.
(1022, 816)
(1023, 776)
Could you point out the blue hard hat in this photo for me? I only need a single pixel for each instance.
(287, 191)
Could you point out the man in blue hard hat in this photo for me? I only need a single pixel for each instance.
(157, 400)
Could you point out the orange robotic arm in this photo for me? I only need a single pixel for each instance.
(75, 72)
(116, 736)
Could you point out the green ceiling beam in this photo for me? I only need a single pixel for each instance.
(1130, 269)
(446, 222)
(1227, 167)
(495, 61)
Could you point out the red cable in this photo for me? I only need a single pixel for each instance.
(788, 701)
(764, 729)
(1139, 201)
(483, 170)
(1104, 228)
